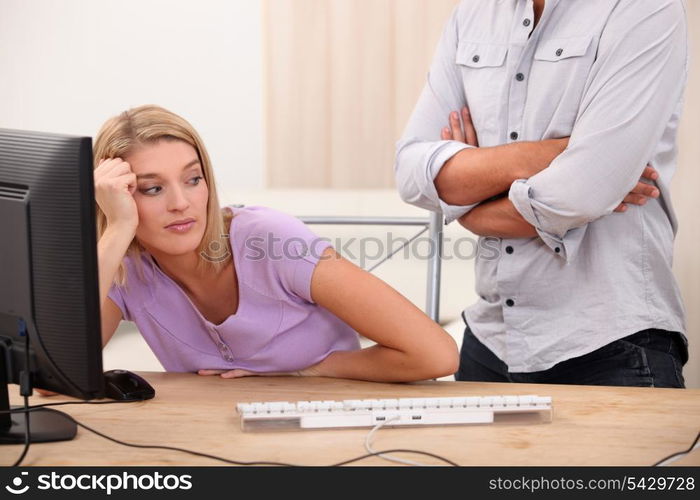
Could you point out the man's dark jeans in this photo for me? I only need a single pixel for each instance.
(650, 358)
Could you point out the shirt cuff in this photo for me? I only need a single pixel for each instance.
(566, 246)
(438, 158)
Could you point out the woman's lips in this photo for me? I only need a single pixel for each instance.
(180, 228)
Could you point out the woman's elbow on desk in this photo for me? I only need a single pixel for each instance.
(441, 359)
(433, 353)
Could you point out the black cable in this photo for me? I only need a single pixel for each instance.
(26, 389)
(680, 453)
(44, 405)
(27, 441)
(205, 455)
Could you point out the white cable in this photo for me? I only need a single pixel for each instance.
(368, 444)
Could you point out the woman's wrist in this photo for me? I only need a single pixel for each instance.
(120, 230)
(111, 249)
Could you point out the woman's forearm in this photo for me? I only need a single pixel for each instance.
(376, 363)
(110, 251)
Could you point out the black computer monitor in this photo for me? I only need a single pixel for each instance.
(49, 292)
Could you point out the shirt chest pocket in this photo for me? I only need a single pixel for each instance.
(559, 73)
(560, 49)
(483, 70)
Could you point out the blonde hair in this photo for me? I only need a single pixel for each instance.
(149, 124)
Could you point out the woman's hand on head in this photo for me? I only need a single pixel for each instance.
(115, 184)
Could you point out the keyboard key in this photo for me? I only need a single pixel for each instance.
(275, 407)
(511, 400)
(498, 402)
(446, 402)
(391, 404)
(377, 404)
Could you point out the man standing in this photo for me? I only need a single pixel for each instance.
(570, 101)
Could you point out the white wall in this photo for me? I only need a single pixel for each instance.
(67, 65)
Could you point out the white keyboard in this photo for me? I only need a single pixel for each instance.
(283, 415)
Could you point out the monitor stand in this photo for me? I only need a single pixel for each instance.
(44, 425)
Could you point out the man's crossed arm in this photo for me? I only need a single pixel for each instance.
(484, 175)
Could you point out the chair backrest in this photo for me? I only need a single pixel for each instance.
(433, 224)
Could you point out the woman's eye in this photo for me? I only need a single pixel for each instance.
(151, 190)
(157, 189)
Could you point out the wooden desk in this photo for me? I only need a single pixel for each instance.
(591, 425)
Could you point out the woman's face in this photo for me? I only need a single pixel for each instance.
(171, 196)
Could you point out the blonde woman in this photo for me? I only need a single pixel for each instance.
(267, 297)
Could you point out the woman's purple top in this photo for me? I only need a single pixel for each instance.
(277, 326)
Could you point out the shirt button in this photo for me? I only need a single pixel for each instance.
(514, 135)
(526, 22)
(509, 249)
(559, 52)
(510, 302)
(520, 77)
(228, 358)
(557, 249)
(475, 58)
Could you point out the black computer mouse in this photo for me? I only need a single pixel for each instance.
(127, 386)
